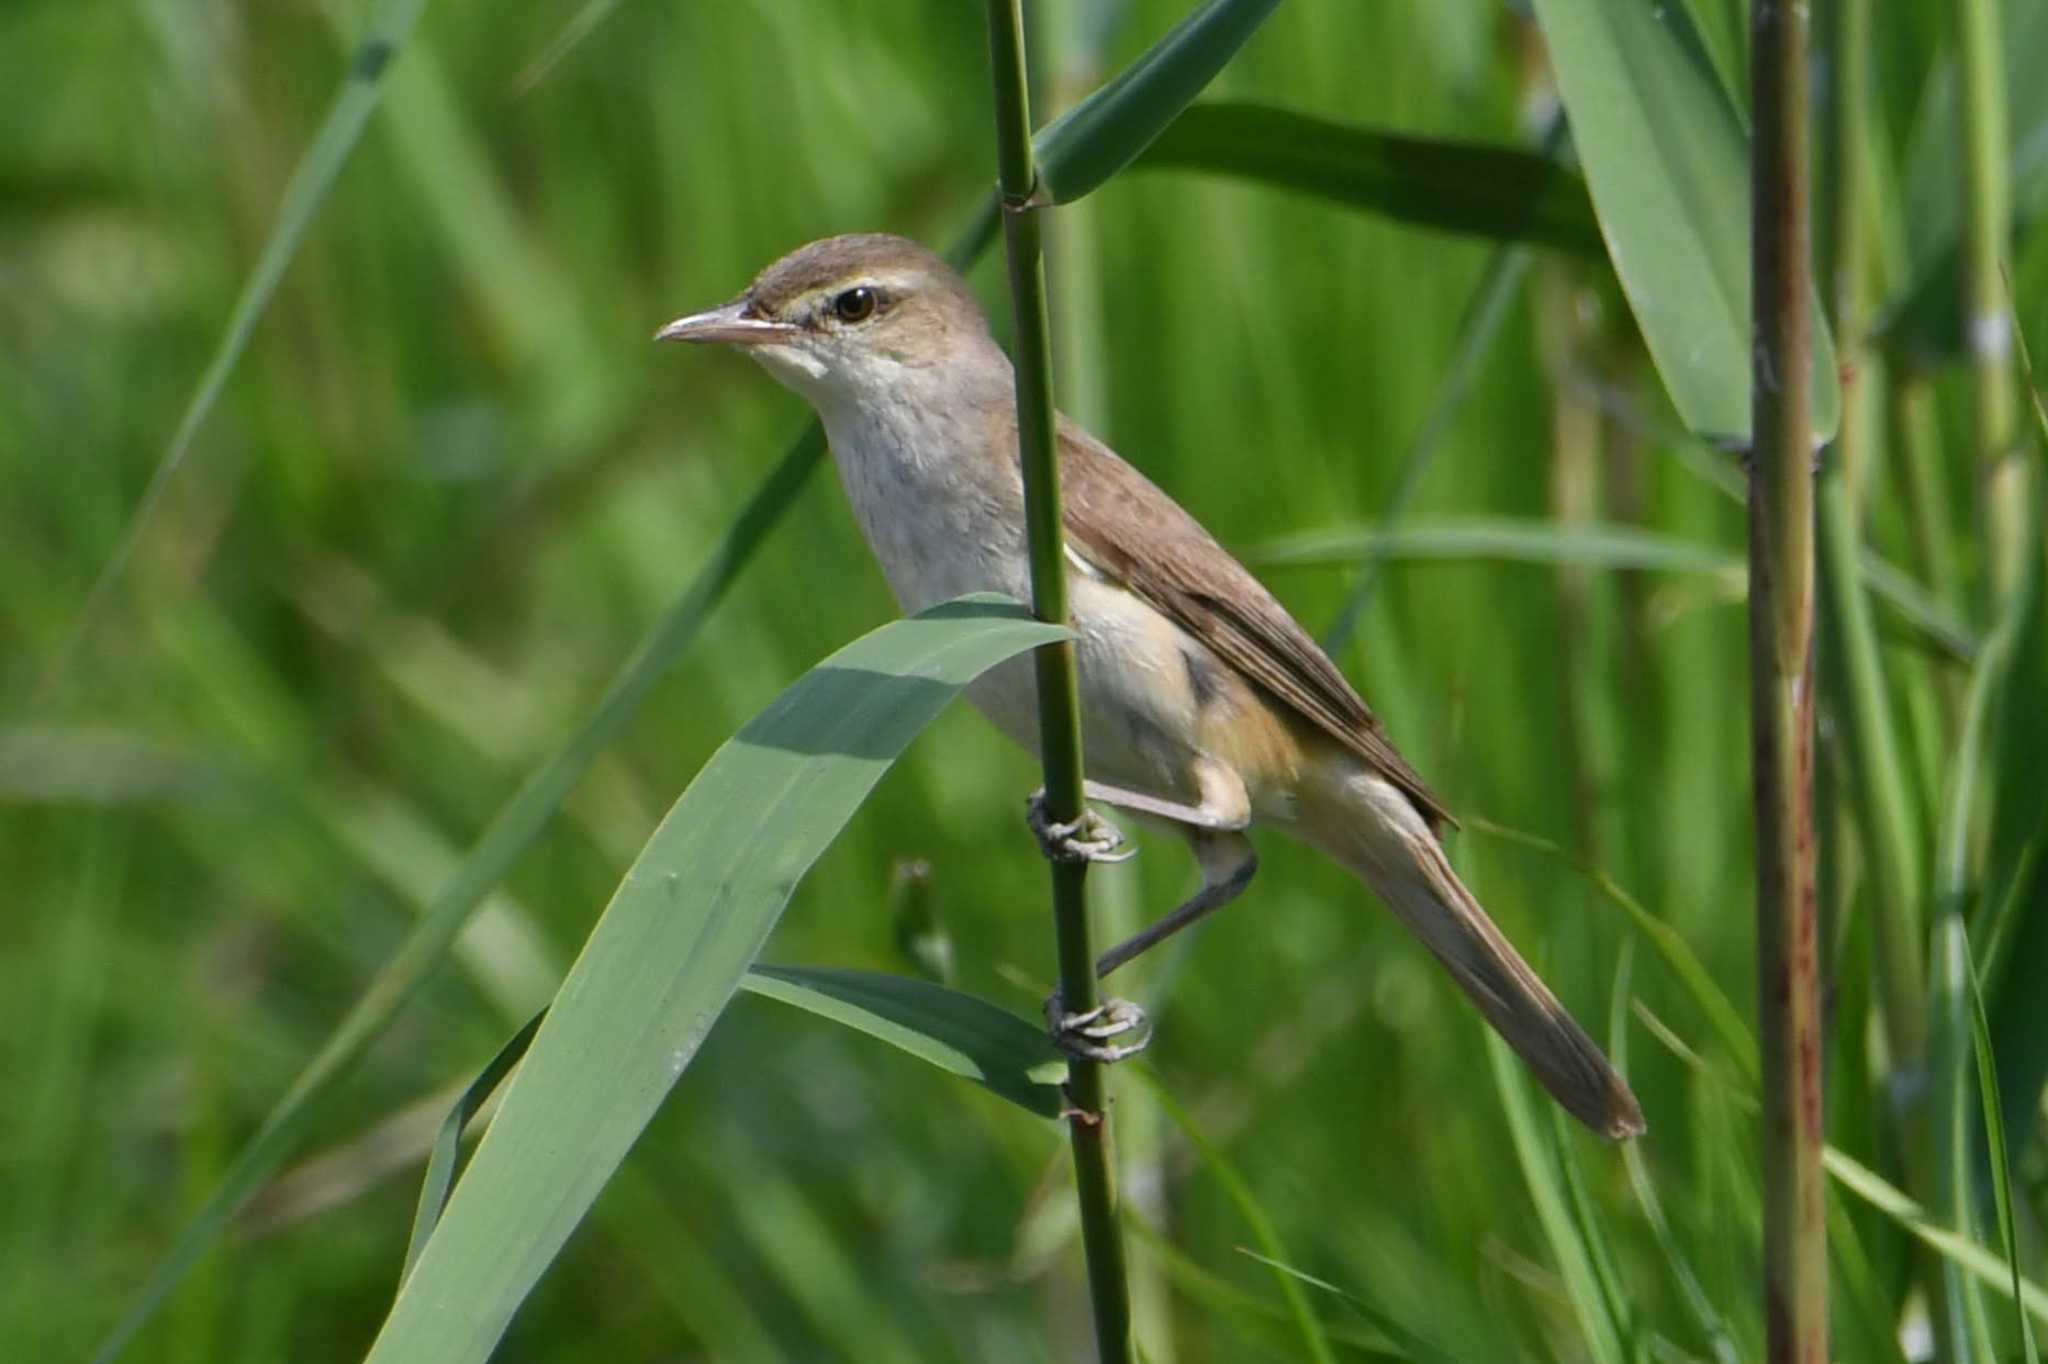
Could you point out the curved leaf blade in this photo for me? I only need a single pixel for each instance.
(956, 1032)
(440, 1175)
(1504, 193)
(1667, 162)
(668, 954)
(1106, 131)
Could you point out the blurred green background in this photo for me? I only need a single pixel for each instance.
(451, 483)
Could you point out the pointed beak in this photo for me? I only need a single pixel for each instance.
(730, 324)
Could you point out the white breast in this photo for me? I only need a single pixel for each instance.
(940, 524)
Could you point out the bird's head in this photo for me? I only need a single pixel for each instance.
(854, 318)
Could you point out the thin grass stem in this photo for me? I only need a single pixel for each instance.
(1987, 208)
(1059, 712)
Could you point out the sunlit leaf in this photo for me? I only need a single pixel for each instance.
(1106, 131)
(667, 955)
(1667, 161)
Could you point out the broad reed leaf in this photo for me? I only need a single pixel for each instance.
(1486, 190)
(956, 1032)
(1667, 161)
(669, 952)
(511, 832)
(1105, 132)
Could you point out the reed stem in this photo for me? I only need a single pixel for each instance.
(1059, 715)
(1781, 616)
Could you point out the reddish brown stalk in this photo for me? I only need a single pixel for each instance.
(1781, 614)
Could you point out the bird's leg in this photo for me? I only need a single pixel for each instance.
(1208, 815)
(1087, 838)
(1228, 863)
(1090, 1033)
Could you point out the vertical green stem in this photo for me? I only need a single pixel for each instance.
(1781, 613)
(1988, 212)
(1059, 714)
(1854, 678)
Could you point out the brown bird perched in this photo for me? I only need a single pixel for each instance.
(1203, 703)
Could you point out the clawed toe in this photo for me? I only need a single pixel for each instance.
(1089, 1033)
(1089, 838)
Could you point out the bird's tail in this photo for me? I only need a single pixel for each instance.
(1368, 825)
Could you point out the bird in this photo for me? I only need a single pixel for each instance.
(1204, 704)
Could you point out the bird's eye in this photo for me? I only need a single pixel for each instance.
(855, 305)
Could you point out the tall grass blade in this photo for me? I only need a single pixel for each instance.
(1673, 949)
(1982, 1265)
(2011, 919)
(1549, 1189)
(1211, 1290)
(1411, 1345)
(1719, 1338)
(361, 89)
(1923, 318)
(668, 954)
(1485, 190)
(1504, 539)
(1994, 1137)
(1477, 329)
(1315, 1343)
(1957, 1311)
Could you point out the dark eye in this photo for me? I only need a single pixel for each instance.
(855, 305)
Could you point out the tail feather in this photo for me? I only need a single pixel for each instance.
(1389, 847)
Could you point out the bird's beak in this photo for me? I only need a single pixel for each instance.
(731, 323)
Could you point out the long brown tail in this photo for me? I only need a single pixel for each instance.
(1369, 826)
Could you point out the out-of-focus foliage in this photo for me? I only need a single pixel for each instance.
(450, 483)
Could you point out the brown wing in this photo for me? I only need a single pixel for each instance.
(1197, 583)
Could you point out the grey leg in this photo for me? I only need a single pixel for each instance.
(1228, 864)
(1192, 816)
(1091, 1034)
(1091, 838)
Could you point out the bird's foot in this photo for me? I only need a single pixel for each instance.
(1090, 838)
(1091, 1033)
